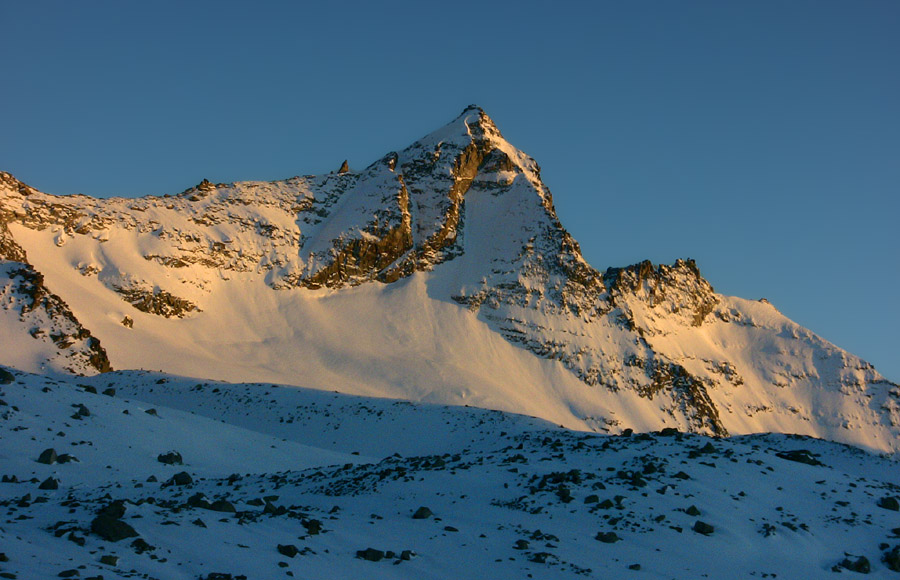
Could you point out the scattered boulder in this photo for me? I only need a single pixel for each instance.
(370, 554)
(180, 478)
(170, 458)
(6, 377)
(109, 560)
(708, 448)
(313, 527)
(115, 509)
(692, 511)
(423, 513)
(703, 528)
(198, 500)
(288, 550)
(75, 538)
(521, 545)
(800, 456)
(274, 510)
(891, 559)
(110, 392)
(49, 483)
(140, 546)
(607, 537)
(860, 565)
(221, 505)
(48, 457)
(112, 529)
(889, 503)
(66, 458)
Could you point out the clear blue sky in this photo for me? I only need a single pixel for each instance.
(761, 138)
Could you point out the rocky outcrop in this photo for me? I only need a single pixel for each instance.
(49, 319)
(678, 290)
(157, 301)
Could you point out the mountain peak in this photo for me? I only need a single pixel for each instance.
(472, 292)
(472, 109)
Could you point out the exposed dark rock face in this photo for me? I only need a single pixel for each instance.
(157, 302)
(678, 289)
(37, 304)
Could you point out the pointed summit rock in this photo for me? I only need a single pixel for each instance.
(344, 167)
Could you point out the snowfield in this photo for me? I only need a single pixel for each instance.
(289, 482)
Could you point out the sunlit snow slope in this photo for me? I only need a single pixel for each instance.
(440, 273)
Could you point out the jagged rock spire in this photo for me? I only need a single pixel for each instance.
(344, 167)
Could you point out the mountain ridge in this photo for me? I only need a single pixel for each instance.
(460, 238)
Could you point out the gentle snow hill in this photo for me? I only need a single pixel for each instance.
(437, 274)
(120, 439)
(506, 496)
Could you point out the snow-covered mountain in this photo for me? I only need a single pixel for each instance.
(440, 274)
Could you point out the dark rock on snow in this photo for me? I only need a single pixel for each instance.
(423, 513)
(860, 565)
(170, 458)
(47, 457)
(288, 550)
(180, 478)
(703, 528)
(889, 503)
(49, 483)
(112, 529)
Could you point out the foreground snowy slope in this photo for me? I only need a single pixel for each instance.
(506, 496)
(439, 273)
